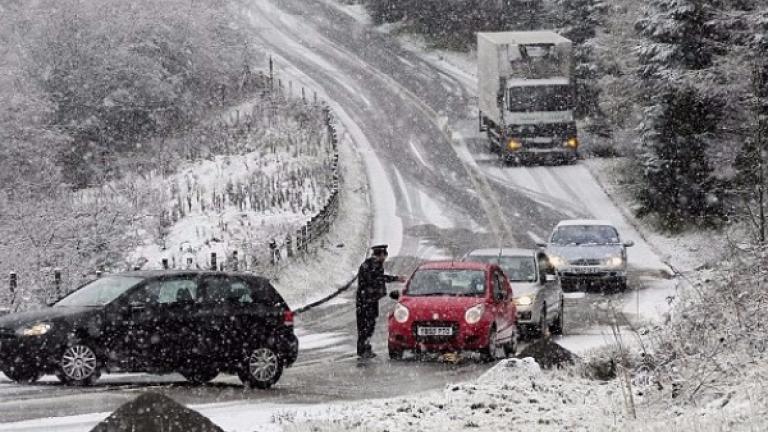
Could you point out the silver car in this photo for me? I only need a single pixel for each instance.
(535, 287)
(588, 254)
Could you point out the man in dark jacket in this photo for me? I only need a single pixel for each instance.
(371, 287)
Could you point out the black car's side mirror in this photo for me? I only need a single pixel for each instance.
(629, 243)
(394, 295)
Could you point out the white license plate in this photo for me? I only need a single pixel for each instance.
(585, 269)
(434, 331)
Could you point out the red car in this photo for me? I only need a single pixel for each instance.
(454, 306)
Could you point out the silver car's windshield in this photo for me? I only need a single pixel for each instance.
(517, 268)
(447, 283)
(99, 292)
(585, 235)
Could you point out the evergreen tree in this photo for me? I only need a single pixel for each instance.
(680, 36)
(384, 11)
(577, 20)
(677, 180)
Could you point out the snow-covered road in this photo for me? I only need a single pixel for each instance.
(436, 193)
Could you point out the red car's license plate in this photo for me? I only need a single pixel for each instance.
(434, 331)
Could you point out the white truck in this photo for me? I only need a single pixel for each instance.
(527, 95)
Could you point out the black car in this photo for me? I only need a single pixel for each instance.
(191, 322)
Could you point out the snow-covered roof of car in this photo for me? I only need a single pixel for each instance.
(571, 222)
(504, 252)
(448, 265)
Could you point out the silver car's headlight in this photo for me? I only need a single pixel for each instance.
(615, 261)
(557, 261)
(525, 300)
(38, 329)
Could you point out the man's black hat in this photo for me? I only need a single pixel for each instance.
(377, 249)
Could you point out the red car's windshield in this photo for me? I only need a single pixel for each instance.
(453, 282)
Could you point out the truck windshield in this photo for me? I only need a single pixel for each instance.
(540, 98)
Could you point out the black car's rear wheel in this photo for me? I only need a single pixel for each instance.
(200, 375)
(261, 368)
(22, 375)
(79, 365)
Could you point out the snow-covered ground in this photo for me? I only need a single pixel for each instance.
(333, 261)
(212, 222)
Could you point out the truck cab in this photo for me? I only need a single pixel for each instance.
(527, 95)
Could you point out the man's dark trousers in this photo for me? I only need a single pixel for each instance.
(367, 312)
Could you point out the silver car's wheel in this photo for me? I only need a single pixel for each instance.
(79, 365)
(262, 368)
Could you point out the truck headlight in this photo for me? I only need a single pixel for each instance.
(35, 329)
(401, 313)
(514, 145)
(571, 143)
(615, 262)
(525, 300)
(473, 314)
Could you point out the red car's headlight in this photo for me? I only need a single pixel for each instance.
(473, 314)
(401, 313)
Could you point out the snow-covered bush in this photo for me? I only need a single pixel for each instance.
(717, 332)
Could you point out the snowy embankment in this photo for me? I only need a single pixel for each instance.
(235, 205)
(514, 393)
(333, 262)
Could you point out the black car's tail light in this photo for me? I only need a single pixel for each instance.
(288, 317)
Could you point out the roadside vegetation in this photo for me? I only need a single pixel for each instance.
(101, 103)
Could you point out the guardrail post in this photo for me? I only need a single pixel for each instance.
(299, 245)
(235, 263)
(12, 282)
(288, 245)
(165, 263)
(213, 261)
(274, 252)
(57, 281)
